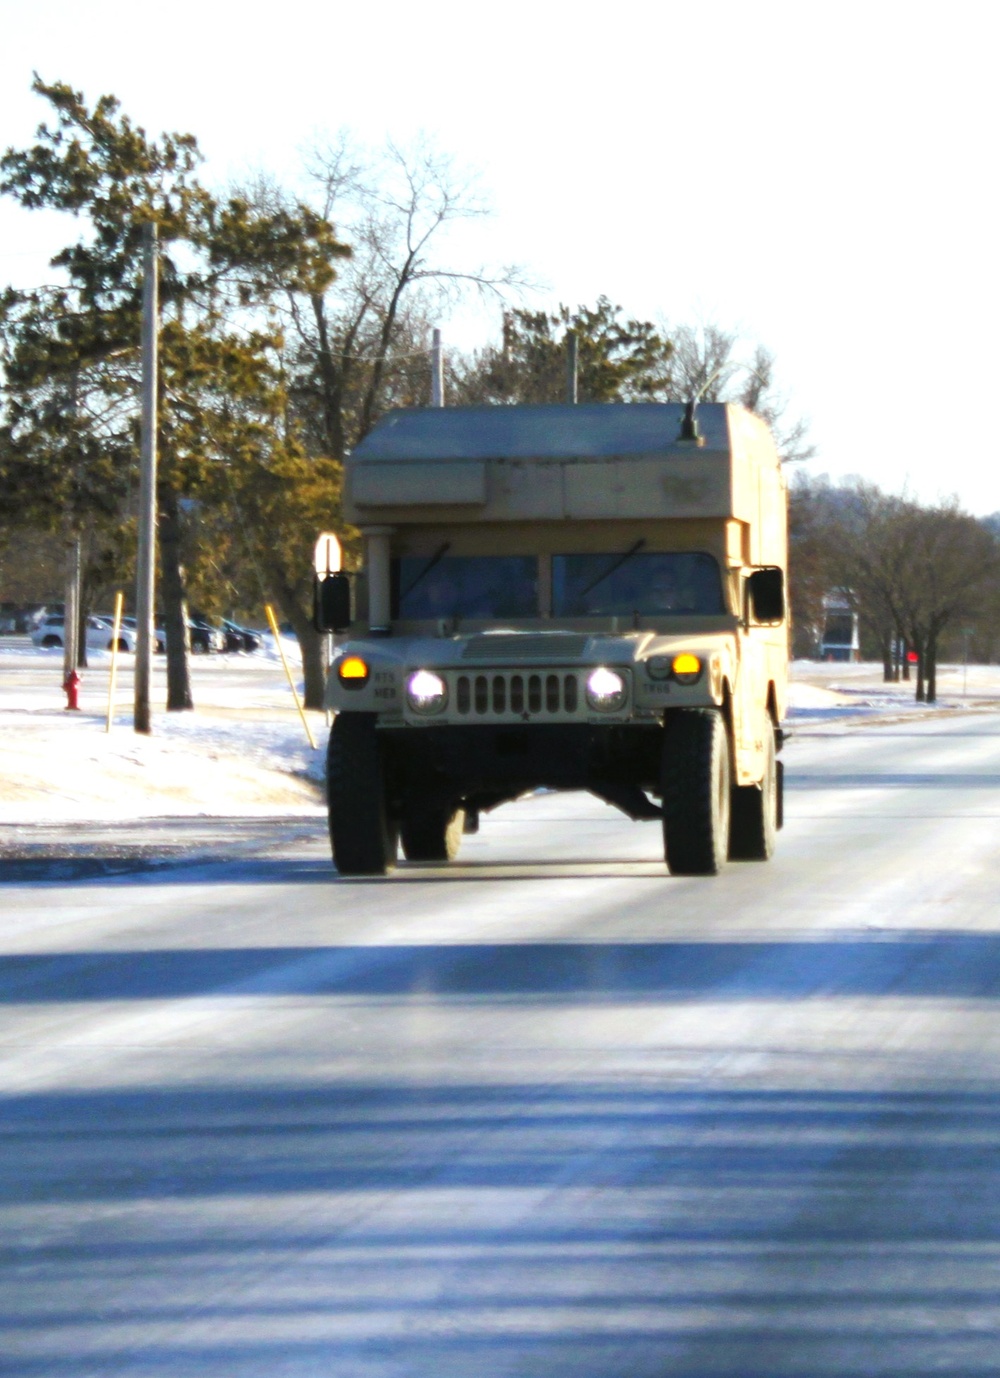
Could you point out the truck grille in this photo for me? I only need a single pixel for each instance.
(511, 694)
(520, 646)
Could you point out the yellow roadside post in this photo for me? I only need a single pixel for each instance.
(288, 673)
(119, 603)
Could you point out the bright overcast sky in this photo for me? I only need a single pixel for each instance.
(820, 177)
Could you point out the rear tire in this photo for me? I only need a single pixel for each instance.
(432, 834)
(755, 811)
(695, 782)
(363, 837)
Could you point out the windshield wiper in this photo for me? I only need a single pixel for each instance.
(435, 559)
(615, 565)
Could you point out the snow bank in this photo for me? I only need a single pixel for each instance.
(64, 766)
(243, 752)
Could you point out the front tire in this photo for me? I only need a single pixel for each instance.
(363, 837)
(695, 782)
(432, 834)
(755, 810)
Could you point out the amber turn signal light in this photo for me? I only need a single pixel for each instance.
(686, 668)
(353, 672)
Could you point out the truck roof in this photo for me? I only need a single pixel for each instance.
(600, 462)
(588, 430)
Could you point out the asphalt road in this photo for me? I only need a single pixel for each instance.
(546, 1112)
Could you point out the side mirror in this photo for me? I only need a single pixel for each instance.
(332, 603)
(766, 588)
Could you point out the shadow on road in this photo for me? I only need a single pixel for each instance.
(898, 963)
(504, 1230)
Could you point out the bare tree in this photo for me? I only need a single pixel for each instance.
(909, 570)
(362, 345)
(710, 364)
(953, 561)
(814, 556)
(356, 344)
(870, 560)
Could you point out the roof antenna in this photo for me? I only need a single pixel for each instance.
(689, 433)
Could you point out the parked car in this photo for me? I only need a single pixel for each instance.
(51, 631)
(205, 636)
(202, 636)
(240, 638)
(129, 624)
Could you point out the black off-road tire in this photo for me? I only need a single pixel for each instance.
(780, 769)
(754, 823)
(362, 835)
(695, 782)
(432, 834)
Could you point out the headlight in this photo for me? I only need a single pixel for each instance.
(686, 668)
(352, 672)
(605, 690)
(659, 667)
(426, 692)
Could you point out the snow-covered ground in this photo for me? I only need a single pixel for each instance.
(243, 752)
(822, 692)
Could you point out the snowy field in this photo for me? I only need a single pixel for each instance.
(823, 692)
(244, 753)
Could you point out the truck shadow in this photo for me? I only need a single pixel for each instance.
(229, 870)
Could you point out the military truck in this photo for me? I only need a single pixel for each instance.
(573, 597)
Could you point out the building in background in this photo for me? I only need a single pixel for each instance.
(840, 639)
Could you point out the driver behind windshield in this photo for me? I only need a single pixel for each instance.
(469, 586)
(647, 583)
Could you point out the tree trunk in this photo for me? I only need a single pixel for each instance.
(331, 383)
(313, 664)
(921, 669)
(932, 669)
(81, 632)
(174, 604)
(309, 639)
(905, 658)
(887, 675)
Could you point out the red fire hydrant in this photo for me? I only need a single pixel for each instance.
(71, 685)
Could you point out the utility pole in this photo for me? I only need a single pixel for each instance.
(146, 559)
(437, 371)
(71, 609)
(572, 347)
(74, 560)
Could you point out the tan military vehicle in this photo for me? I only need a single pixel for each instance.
(572, 597)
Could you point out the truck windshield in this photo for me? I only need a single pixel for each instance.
(648, 583)
(465, 586)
